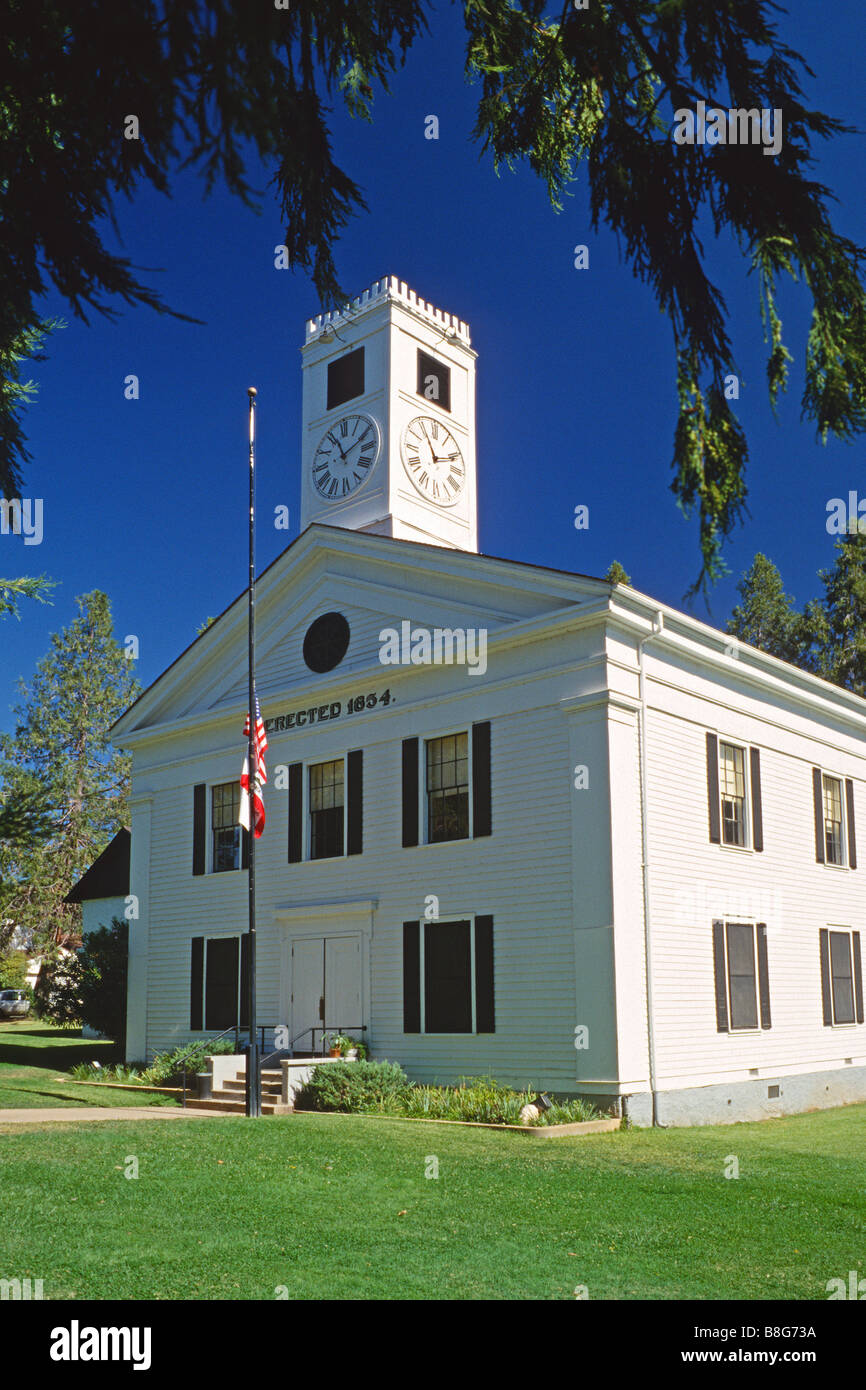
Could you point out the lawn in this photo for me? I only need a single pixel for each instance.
(34, 1055)
(340, 1207)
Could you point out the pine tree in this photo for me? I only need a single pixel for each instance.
(839, 624)
(766, 617)
(60, 764)
(616, 574)
(602, 84)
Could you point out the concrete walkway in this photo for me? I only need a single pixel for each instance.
(86, 1113)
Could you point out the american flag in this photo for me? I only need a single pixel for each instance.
(260, 777)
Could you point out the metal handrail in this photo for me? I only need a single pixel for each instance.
(237, 1030)
(325, 1029)
(233, 1028)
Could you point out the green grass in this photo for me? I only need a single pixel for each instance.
(46, 1045)
(33, 1056)
(339, 1207)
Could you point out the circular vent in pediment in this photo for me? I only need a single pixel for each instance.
(326, 642)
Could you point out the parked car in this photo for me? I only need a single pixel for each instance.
(14, 1003)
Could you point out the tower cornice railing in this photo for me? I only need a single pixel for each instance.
(381, 291)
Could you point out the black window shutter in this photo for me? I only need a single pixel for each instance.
(826, 1000)
(199, 827)
(411, 978)
(485, 1012)
(858, 976)
(481, 817)
(245, 981)
(852, 834)
(719, 968)
(196, 982)
(757, 812)
(245, 847)
(355, 802)
(410, 792)
(221, 983)
(818, 798)
(763, 975)
(296, 812)
(713, 789)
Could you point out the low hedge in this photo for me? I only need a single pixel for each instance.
(356, 1088)
(383, 1088)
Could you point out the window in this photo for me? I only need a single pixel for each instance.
(448, 788)
(219, 983)
(448, 977)
(326, 810)
(734, 794)
(841, 977)
(834, 850)
(732, 787)
(345, 378)
(434, 380)
(225, 806)
(741, 976)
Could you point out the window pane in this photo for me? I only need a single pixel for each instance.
(447, 978)
(326, 809)
(732, 786)
(833, 820)
(741, 975)
(225, 805)
(840, 970)
(448, 787)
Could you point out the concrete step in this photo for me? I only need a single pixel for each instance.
(220, 1106)
(228, 1107)
(276, 1086)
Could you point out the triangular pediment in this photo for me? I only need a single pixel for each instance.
(375, 583)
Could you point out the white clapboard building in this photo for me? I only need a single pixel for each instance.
(519, 821)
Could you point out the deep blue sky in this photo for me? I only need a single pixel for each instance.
(147, 499)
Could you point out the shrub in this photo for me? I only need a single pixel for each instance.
(88, 986)
(478, 1098)
(167, 1067)
(569, 1112)
(356, 1088)
(57, 995)
(102, 961)
(383, 1088)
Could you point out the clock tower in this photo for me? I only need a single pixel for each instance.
(389, 419)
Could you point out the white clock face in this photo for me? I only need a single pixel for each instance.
(345, 457)
(433, 461)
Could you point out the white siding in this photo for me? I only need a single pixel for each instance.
(694, 881)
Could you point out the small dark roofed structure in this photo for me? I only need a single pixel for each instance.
(108, 876)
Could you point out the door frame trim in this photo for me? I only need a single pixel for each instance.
(320, 920)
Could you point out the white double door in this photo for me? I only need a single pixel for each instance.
(326, 988)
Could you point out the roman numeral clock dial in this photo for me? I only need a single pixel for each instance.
(345, 457)
(432, 458)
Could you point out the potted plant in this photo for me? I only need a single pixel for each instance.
(342, 1045)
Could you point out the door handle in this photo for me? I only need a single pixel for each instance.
(322, 1007)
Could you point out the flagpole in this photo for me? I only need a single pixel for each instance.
(253, 1086)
